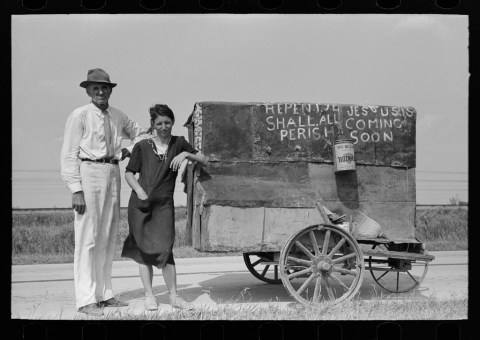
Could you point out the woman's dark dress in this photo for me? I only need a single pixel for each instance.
(152, 221)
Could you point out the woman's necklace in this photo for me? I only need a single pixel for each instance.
(160, 150)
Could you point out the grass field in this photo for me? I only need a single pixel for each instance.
(443, 228)
(47, 236)
(375, 309)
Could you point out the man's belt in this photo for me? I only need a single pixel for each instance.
(102, 160)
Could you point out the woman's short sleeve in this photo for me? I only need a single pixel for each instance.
(135, 163)
(185, 146)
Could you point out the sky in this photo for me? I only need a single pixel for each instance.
(372, 59)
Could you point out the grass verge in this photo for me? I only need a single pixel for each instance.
(455, 308)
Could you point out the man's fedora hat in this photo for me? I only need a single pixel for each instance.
(97, 75)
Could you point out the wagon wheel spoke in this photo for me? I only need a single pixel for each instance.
(305, 250)
(275, 275)
(408, 272)
(336, 279)
(299, 273)
(337, 247)
(256, 262)
(318, 289)
(325, 242)
(305, 284)
(314, 242)
(345, 271)
(265, 269)
(329, 289)
(343, 258)
(300, 261)
(386, 272)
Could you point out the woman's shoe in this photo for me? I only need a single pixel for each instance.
(178, 302)
(150, 302)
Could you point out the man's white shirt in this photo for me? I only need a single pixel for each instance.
(85, 138)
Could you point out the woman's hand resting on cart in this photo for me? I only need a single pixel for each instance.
(178, 160)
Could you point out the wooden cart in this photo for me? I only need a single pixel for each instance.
(271, 192)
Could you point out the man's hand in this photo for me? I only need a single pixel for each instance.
(78, 202)
(125, 153)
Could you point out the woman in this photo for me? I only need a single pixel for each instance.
(151, 216)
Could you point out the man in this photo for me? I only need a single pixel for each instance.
(89, 166)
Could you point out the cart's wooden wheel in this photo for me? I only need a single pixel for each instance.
(397, 275)
(262, 266)
(326, 262)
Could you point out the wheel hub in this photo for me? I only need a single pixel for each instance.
(322, 265)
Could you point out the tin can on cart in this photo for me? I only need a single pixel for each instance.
(343, 155)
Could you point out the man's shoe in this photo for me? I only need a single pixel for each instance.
(113, 303)
(92, 309)
(178, 302)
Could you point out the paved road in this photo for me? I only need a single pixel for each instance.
(46, 291)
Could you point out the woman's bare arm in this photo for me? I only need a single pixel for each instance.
(133, 183)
